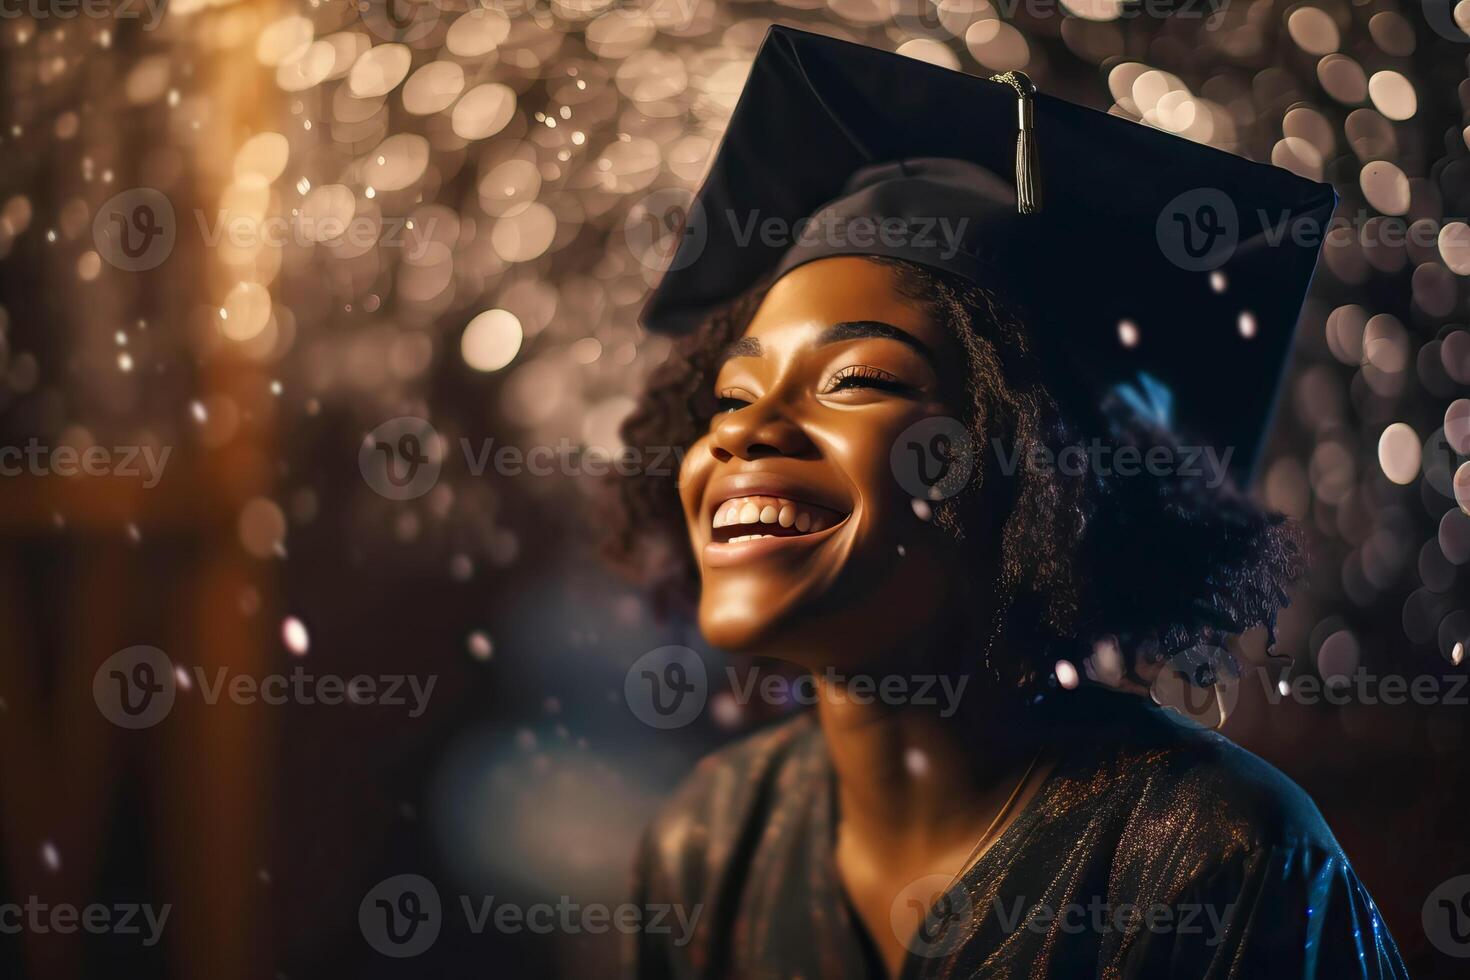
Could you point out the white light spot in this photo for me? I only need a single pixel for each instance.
(491, 341)
(1066, 674)
(294, 635)
(1399, 453)
(725, 710)
(480, 646)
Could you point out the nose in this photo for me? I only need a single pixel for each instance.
(755, 431)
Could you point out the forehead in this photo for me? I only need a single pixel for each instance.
(837, 290)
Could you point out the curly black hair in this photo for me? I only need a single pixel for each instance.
(1164, 564)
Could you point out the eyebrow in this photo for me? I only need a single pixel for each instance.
(866, 329)
(744, 347)
(837, 333)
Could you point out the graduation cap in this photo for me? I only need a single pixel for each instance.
(1130, 252)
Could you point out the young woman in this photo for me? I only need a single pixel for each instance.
(874, 491)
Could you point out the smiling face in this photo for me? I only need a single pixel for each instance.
(808, 547)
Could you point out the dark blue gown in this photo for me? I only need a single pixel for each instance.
(1153, 849)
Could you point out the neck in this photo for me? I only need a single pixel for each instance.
(922, 773)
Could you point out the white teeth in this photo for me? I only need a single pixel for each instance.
(766, 510)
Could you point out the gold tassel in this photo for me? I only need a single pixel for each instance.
(1028, 171)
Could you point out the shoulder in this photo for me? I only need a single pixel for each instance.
(731, 791)
(1193, 823)
(1211, 799)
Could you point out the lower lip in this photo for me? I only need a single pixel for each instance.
(722, 554)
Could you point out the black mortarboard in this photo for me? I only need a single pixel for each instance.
(1146, 255)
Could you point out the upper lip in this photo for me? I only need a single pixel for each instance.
(756, 483)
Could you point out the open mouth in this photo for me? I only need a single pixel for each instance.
(751, 518)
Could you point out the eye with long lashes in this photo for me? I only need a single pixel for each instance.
(865, 376)
(731, 400)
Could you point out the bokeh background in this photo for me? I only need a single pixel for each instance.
(353, 213)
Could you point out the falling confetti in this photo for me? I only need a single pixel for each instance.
(295, 637)
(479, 645)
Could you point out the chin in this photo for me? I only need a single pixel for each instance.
(840, 626)
(750, 621)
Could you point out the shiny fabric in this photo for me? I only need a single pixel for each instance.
(1228, 863)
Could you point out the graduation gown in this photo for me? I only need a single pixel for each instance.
(1152, 849)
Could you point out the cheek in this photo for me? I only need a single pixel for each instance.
(694, 475)
(865, 455)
